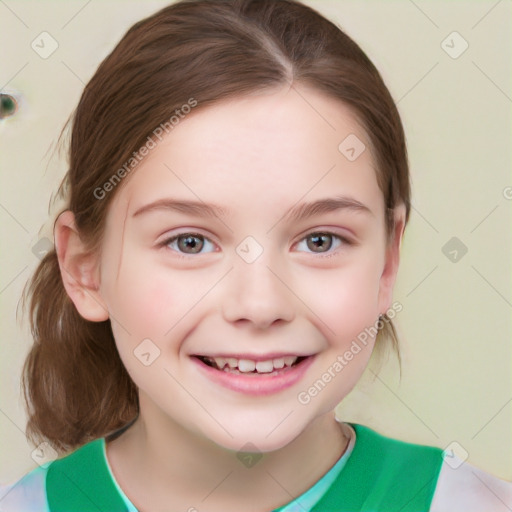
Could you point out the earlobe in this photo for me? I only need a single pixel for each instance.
(390, 271)
(79, 270)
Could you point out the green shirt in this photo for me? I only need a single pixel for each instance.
(378, 474)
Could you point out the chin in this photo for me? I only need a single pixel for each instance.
(258, 437)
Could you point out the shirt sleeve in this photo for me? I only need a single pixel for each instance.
(27, 494)
(462, 487)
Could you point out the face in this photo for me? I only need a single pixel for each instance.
(241, 259)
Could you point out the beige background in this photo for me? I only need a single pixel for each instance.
(455, 325)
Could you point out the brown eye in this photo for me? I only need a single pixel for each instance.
(319, 242)
(191, 244)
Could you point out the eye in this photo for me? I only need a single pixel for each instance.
(321, 242)
(189, 243)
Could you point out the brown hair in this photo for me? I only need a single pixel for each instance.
(75, 385)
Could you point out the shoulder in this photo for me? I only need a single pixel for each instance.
(42, 487)
(455, 485)
(383, 473)
(448, 484)
(395, 453)
(28, 494)
(462, 487)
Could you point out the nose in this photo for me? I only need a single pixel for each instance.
(257, 295)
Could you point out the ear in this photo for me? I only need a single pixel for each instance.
(389, 273)
(79, 269)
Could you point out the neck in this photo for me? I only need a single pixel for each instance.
(160, 459)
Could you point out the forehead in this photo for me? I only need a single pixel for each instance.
(260, 151)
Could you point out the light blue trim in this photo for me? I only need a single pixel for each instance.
(311, 497)
(303, 503)
(129, 505)
(28, 494)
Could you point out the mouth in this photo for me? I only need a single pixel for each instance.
(260, 376)
(243, 366)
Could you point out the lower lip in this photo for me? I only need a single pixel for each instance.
(257, 383)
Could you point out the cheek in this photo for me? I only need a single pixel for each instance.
(152, 299)
(139, 301)
(142, 297)
(145, 304)
(344, 300)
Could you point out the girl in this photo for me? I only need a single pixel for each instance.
(237, 194)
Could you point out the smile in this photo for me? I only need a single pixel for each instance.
(234, 365)
(262, 376)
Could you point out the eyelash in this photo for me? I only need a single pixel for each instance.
(343, 241)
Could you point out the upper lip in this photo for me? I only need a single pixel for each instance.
(253, 357)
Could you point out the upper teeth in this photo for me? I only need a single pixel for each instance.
(248, 365)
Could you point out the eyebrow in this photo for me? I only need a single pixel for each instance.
(297, 213)
(196, 208)
(305, 210)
